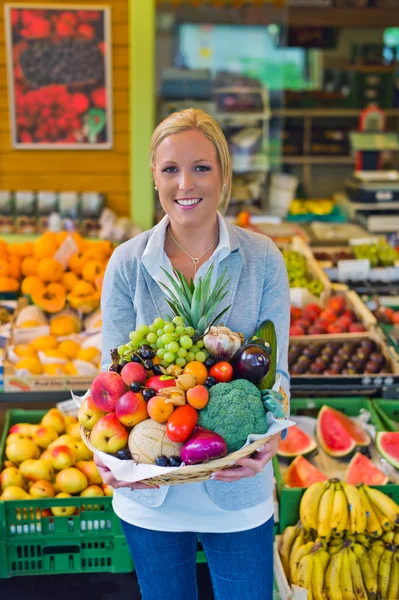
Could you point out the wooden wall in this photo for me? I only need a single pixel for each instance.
(102, 170)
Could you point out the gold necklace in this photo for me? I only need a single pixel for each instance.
(193, 258)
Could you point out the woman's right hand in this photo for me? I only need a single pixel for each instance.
(109, 479)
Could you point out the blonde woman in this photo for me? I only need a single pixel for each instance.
(233, 512)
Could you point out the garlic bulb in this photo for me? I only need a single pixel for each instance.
(222, 343)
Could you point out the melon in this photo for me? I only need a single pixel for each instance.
(338, 435)
(148, 439)
(301, 473)
(362, 470)
(388, 446)
(296, 443)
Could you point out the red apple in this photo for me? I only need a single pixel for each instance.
(328, 315)
(321, 324)
(105, 390)
(316, 330)
(337, 304)
(158, 383)
(89, 413)
(344, 321)
(335, 328)
(296, 313)
(296, 330)
(131, 408)
(133, 372)
(311, 311)
(304, 323)
(350, 315)
(356, 328)
(109, 435)
(395, 317)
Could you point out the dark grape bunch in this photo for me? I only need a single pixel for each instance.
(70, 61)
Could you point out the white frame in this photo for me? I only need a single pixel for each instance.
(108, 75)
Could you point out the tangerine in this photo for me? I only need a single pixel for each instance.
(198, 370)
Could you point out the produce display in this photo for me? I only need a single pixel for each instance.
(299, 274)
(337, 317)
(337, 358)
(184, 389)
(49, 460)
(345, 545)
(380, 254)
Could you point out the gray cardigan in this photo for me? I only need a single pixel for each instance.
(258, 291)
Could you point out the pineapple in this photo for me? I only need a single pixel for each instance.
(196, 304)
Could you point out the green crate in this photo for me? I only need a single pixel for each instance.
(64, 555)
(33, 541)
(289, 498)
(387, 412)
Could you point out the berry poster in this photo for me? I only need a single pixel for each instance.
(59, 76)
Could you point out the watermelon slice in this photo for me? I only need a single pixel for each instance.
(388, 445)
(338, 434)
(296, 443)
(301, 473)
(362, 470)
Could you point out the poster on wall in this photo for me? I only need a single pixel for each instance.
(59, 76)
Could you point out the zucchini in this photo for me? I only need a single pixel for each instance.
(267, 332)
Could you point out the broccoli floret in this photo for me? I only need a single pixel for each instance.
(234, 410)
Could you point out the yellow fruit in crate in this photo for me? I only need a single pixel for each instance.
(74, 431)
(42, 489)
(92, 269)
(70, 419)
(44, 342)
(108, 490)
(11, 476)
(92, 490)
(69, 280)
(62, 457)
(70, 369)
(26, 429)
(34, 470)
(63, 511)
(76, 264)
(30, 284)
(46, 245)
(51, 298)
(8, 463)
(55, 353)
(64, 325)
(46, 455)
(44, 435)
(21, 450)
(29, 266)
(89, 469)
(88, 354)
(23, 350)
(8, 284)
(71, 481)
(31, 364)
(54, 369)
(83, 453)
(54, 418)
(14, 493)
(50, 270)
(63, 439)
(13, 437)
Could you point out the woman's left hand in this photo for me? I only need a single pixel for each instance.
(249, 467)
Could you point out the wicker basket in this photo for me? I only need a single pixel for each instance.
(192, 473)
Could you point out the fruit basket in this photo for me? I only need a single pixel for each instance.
(34, 541)
(328, 365)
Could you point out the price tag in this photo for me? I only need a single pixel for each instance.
(353, 270)
(65, 251)
(365, 240)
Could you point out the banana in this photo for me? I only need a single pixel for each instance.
(369, 576)
(340, 510)
(362, 539)
(333, 578)
(375, 554)
(325, 512)
(356, 574)
(334, 550)
(384, 572)
(305, 573)
(285, 544)
(388, 537)
(393, 588)
(336, 542)
(373, 525)
(384, 503)
(298, 542)
(348, 592)
(309, 505)
(386, 523)
(318, 576)
(396, 539)
(296, 557)
(356, 510)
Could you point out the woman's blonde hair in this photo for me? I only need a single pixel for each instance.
(194, 118)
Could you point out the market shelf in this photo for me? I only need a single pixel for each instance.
(343, 17)
(318, 160)
(327, 112)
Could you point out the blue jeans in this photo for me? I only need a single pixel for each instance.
(240, 564)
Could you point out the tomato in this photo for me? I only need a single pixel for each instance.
(181, 423)
(222, 372)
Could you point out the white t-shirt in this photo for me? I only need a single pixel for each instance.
(188, 507)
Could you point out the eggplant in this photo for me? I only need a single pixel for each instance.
(251, 362)
(202, 446)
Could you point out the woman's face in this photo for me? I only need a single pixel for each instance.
(188, 177)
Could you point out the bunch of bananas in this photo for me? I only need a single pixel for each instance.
(346, 544)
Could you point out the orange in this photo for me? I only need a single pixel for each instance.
(29, 266)
(31, 284)
(198, 370)
(69, 280)
(197, 396)
(46, 245)
(44, 342)
(50, 269)
(69, 348)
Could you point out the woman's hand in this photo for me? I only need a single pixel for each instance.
(109, 479)
(249, 467)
